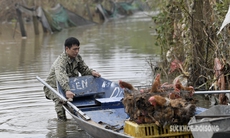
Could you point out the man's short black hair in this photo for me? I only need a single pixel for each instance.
(69, 42)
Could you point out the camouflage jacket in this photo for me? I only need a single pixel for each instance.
(65, 67)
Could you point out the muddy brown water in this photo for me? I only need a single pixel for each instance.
(117, 49)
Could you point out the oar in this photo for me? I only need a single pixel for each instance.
(78, 111)
(212, 92)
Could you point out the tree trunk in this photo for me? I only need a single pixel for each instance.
(201, 39)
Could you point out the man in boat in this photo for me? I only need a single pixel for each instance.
(68, 64)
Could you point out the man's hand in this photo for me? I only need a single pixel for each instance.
(96, 74)
(69, 95)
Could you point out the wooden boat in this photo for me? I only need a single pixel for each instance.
(97, 108)
(212, 123)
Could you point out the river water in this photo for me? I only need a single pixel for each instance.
(117, 49)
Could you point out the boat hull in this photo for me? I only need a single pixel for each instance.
(212, 123)
(96, 130)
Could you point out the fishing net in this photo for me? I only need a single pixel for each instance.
(55, 19)
(118, 9)
(59, 17)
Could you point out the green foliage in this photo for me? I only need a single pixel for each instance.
(165, 26)
(191, 33)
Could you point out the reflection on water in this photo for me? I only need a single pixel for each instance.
(64, 129)
(116, 49)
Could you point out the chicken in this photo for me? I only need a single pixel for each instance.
(156, 87)
(174, 95)
(127, 85)
(184, 114)
(179, 86)
(178, 103)
(158, 100)
(152, 105)
(168, 111)
(129, 104)
(167, 116)
(143, 106)
(132, 99)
